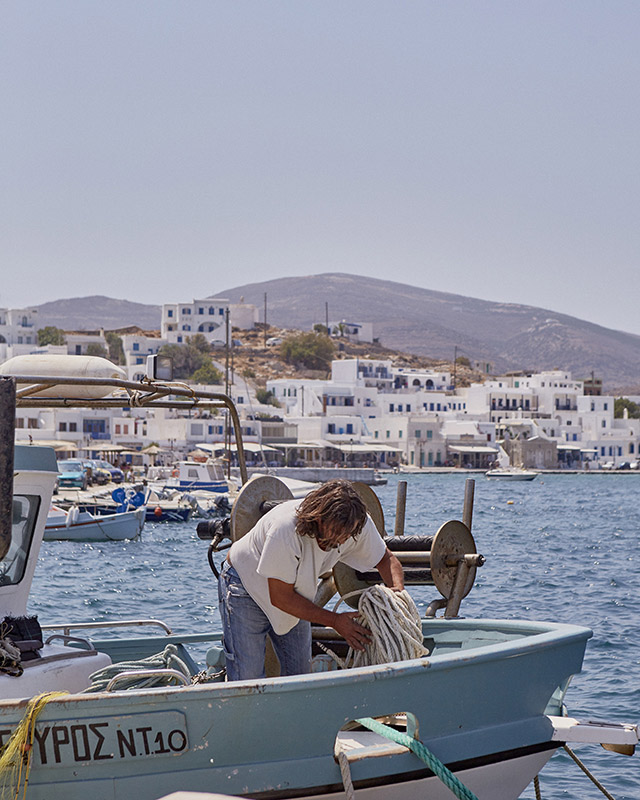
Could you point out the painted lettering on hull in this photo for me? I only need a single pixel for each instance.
(133, 736)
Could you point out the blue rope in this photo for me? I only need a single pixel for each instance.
(425, 755)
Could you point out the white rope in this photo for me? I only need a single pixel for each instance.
(396, 629)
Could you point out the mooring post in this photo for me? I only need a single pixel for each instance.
(401, 504)
(7, 443)
(467, 509)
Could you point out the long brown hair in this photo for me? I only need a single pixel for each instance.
(334, 504)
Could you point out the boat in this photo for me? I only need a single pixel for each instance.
(486, 703)
(188, 476)
(82, 526)
(511, 474)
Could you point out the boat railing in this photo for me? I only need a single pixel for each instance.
(68, 626)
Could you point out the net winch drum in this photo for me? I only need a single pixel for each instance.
(447, 560)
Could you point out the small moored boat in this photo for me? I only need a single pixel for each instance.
(82, 526)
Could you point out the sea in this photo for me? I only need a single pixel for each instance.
(563, 548)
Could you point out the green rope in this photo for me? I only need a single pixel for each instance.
(425, 755)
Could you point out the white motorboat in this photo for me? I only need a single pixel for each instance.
(82, 526)
(511, 474)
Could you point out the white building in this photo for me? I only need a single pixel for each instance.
(180, 321)
(18, 332)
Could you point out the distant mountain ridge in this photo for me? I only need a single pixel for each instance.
(97, 311)
(506, 335)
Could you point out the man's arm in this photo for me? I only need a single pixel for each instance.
(285, 597)
(391, 572)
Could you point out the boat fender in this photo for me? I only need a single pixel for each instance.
(72, 516)
(157, 511)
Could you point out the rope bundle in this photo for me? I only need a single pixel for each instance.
(396, 630)
(167, 659)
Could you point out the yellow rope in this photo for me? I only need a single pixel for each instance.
(15, 756)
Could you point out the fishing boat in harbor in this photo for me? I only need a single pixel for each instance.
(75, 525)
(484, 704)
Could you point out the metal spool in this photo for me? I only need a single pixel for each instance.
(249, 505)
(371, 501)
(426, 560)
(452, 541)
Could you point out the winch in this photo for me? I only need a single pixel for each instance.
(447, 560)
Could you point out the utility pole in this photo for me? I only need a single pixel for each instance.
(326, 316)
(265, 319)
(455, 359)
(227, 431)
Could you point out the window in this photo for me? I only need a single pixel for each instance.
(418, 434)
(375, 436)
(391, 407)
(62, 426)
(25, 511)
(399, 434)
(117, 429)
(136, 346)
(604, 423)
(605, 406)
(429, 434)
(32, 423)
(170, 312)
(331, 428)
(73, 427)
(388, 434)
(221, 312)
(201, 311)
(349, 427)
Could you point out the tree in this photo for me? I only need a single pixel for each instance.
(95, 349)
(312, 350)
(116, 350)
(207, 374)
(620, 403)
(266, 398)
(51, 335)
(189, 357)
(463, 361)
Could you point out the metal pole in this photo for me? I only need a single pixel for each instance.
(401, 504)
(7, 444)
(467, 509)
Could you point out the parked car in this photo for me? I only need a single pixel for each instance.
(97, 474)
(117, 475)
(273, 341)
(72, 473)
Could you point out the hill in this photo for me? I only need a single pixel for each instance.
(89, 313)
(410, 319)
(428, 323)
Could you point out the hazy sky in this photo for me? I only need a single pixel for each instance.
(160, 151)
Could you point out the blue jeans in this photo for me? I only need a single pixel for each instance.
(245, 627)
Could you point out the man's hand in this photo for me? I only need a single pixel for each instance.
(391, 572)
(353, 632)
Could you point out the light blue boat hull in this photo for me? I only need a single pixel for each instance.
(479, 702)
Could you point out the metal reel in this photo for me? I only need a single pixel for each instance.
(249, 505)
(452, 541)
(371, 501)
(345, 577)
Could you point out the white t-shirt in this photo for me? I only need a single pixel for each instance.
(273, 549)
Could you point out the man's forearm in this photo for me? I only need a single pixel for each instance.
(391, 571)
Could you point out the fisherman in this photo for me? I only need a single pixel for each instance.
(270, 577)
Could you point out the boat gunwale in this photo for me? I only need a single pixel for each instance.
(543, 636)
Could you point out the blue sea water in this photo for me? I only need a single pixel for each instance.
(564, 548)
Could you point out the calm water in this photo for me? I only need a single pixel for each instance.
(564, 548)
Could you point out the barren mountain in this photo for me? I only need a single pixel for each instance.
(407, 318)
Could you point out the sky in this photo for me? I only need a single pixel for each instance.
(162, 151)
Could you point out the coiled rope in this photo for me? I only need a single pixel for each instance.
(15, 757)
(167, 659)
(394, 622)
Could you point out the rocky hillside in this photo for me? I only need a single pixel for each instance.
(424, 322)
(407, 318)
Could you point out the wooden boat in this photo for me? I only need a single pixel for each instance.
(84, 526)
(487, 700)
